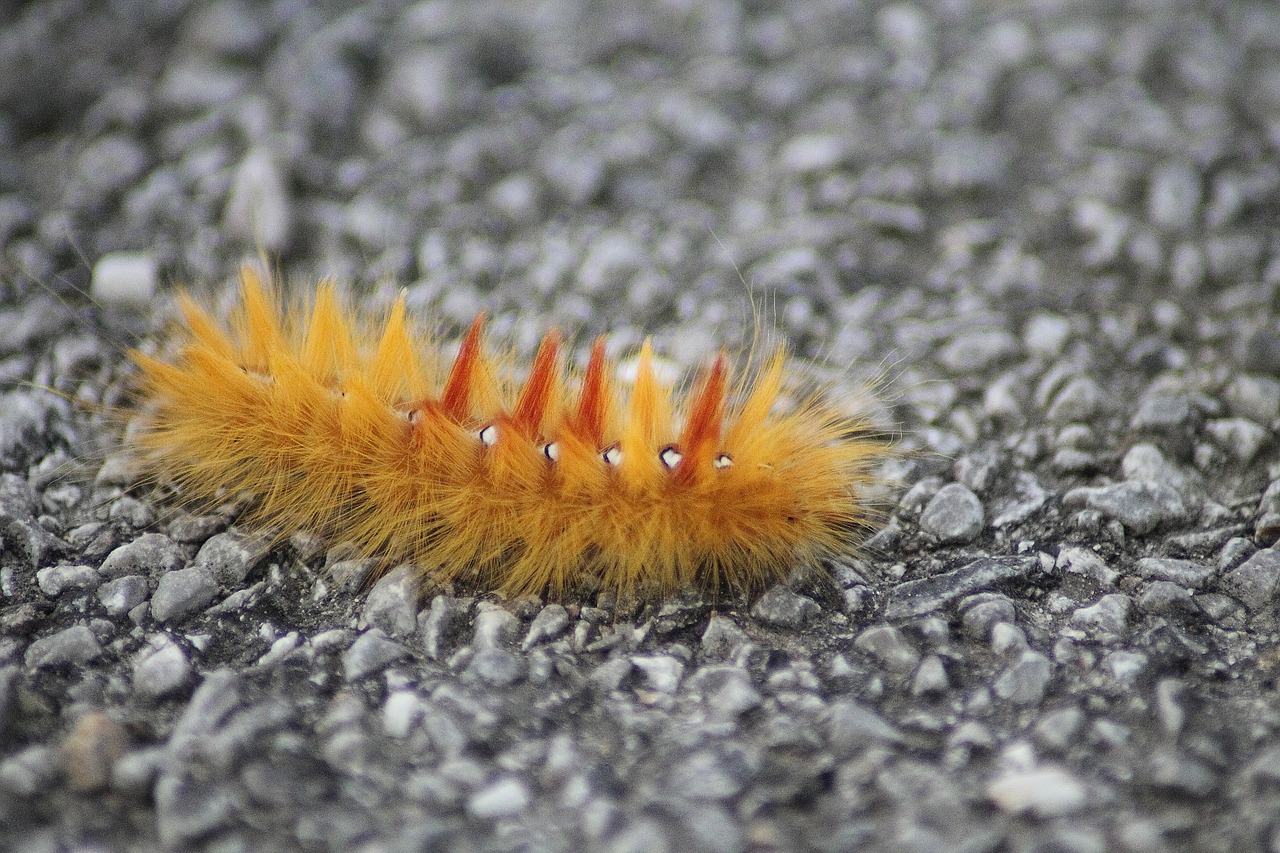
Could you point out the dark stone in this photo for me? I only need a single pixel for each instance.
(926, 595)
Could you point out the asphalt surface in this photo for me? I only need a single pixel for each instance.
(1047, 230)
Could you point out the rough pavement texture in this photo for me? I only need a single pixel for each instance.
(1048, 227)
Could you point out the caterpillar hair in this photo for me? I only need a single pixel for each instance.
(567, 481)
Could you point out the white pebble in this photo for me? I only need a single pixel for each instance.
(124, 279)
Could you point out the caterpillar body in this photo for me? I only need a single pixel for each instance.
(565, 482)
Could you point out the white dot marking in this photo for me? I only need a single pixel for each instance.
(489, 435)
(670, 457)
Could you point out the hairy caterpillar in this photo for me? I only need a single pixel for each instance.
(350, 429)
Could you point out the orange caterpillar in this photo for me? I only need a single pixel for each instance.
(345, 428)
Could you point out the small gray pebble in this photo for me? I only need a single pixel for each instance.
(851, 725)
(726, 692)
(241, 599)
(888, 645)
(1165, 598)
(610, 675)
(847, 573)
(1026, 680)
(953, 515)
(601, 817)
(1173, 196)
(131, 512)
(1254, 582)
(1003, 399)
(334, 638)
(967, 161)
(496, 667)
(121, 595)
(1167, 416)
(392, 604)
(26, 417)
(1239, 437)
(975, 351)
(438, 623)
(1254, 397)
(118, 469)
(181, 593)
(916, 498)
(812, 152)
(1140, 505)
(661, 672)
(214, 700)
(1189, 573)
(1125, 666)
(149, 554)
(280, 649)
(547, 625)
(1058, 729)
(712, 828)
(188, 806)
(978, 471)
(1234, 552)
(1222, 609)
(54, 579)
(135, 773)
(702, 776)
(856, 600)
(160, 668)
(1110, 615)
(1082, 561)
(1078, 402)
(350, 575)
(979, 618)
(108, 165)
(784, 608)
(401, 712)
(1076, 437)
(931, 677)
(17, 498)
(1187, 266)
(28, 542)
(1007, 637)
(30, 771)
(971, 733)
(642, 835)
(372, 652)
(191, 529)
(229, 557)
(1024, 498)
(1045, 791)
(495, 627)
(1046, 335)
(76, 646)
(258, 206)
(58, 499)
(1145, 461)
(1173, 770)
(226, 30)
(1071, 461)
(504, 798)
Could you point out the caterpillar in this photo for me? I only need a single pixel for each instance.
(567, 481)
